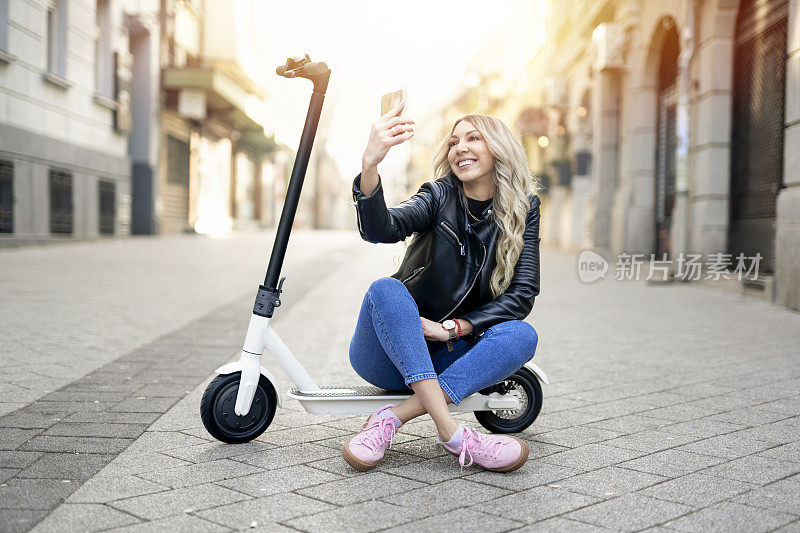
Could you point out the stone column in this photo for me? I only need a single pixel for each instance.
(605, 107)
(787, 238)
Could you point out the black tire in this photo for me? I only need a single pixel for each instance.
(527, 384)
(216, 409)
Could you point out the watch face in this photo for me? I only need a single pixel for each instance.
(448, 324)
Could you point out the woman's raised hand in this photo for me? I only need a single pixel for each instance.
(389, 130)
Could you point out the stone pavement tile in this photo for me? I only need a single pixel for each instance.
(7, 473)
(559, 524)
(183, 523)
(426, 448)
(33, 493)
(84, 396)
(428, 471)
(47, 443)
(97, 429)
(591, 457)
(631, 512)
(749, 416)
(66, 408)
(338, 465)
(369, 486)
(287, 455)
(698, 489)
(701, 390)
(651, 441)
(560, 403)
(576, 436)
(466, 520)
(28, 420)
(728, 446)
(728, 516)
(362, 517)
(77, 466)
(782, 496)
(185, 476)
(20, 520)
(211, 451)
(177, 501)
(444, 496)
(536, 504)
(276, 508)
(781, 432)
(308, 433)
(533, 474)
(13, 438)
(724, 402)
(629, 424)
(788, 406)
(703, 428)
(18, 459)
(786, 452)
(755, 469)
(145, 404)
(540, 449)
(83, 517)
(567, 419)
(132, 462)
(609, 482)
(113, 418)
(621, 407)
(280, 480)
(104, 488)
(202, 433)
(680, 412)
(791, 527)
(159, 441)
(671, 463)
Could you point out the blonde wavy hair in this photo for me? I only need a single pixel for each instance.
(513, 182)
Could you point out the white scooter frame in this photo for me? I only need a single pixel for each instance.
(331, 400)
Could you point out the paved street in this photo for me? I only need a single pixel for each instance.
(670, 407)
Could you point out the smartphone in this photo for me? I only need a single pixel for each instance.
(391, 100)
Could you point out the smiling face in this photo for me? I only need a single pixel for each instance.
(469, 156)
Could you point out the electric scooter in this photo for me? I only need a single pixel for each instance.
(240, 403)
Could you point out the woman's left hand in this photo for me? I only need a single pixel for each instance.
(433, 331)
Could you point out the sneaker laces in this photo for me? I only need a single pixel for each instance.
(474, 443)
(376, 433)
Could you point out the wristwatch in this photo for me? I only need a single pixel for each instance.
(450, 326)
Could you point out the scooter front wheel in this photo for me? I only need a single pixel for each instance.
(526, 387)
(219, 399)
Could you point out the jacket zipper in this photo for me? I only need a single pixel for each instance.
(453, 233)
(483, 260)
(358, 214)
(413, 274)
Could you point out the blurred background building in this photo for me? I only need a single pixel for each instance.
(138, 116)
(661, 128)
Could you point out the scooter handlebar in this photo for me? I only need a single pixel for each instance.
(301, 67)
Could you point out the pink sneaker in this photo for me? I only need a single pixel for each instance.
(366, 448)
(499, 453)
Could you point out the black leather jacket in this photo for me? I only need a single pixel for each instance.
(447, 255)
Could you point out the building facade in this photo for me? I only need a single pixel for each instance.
(64, 121)
(123, 116)
(665, 131)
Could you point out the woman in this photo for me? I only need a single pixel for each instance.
(450, 322)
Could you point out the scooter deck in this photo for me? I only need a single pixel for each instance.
(362, 399)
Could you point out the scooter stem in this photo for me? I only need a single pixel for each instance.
(293, 191)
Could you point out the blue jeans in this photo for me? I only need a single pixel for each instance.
(389, 350)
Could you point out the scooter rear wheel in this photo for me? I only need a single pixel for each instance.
(219, 399)
(526, 387)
